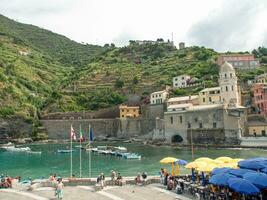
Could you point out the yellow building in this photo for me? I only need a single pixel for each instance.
(257, 128)
(129, 111)
(210, 96)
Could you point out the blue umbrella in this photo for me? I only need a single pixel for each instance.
(223, 170)
(254, 165)
(257, 179)
(264, 170)
(239, 172)
(242, 186)
(221, 179)
(181, 162)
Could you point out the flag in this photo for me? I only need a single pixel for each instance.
(91, 134)
(72, 133)
(81, 134)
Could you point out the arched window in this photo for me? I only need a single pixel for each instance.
(226, 88)
(225, 75)
(232, 88)
(231, 75)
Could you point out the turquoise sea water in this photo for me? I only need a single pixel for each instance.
(34, 165)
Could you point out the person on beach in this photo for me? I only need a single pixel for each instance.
(102, 180)
(59, 189)
(113, 176)
(119, 180)
(138, 179)
(162, 176)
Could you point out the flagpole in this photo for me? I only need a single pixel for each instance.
(89, 140)
(80, 152)
(71, 153)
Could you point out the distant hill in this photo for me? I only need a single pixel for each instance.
(61, 48)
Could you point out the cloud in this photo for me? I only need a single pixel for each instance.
(231, 27)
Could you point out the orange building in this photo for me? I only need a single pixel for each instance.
(129, 111)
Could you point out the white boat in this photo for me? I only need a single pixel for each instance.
(132, 156)
(17, 149)
(120, 149)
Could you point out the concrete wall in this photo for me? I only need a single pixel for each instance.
(122, 128)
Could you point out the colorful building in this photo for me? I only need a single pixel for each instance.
(257, 128)
(129, 111)
(209, 96)
(239, 61)
(260, 98)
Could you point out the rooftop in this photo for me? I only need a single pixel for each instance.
(210, 89)
(184, 98)
(183, 105)
(159, 92)
(205, 107)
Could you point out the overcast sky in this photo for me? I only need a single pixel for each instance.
(235, 25)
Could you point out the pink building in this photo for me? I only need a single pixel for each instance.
(260, 98)
(239, 61)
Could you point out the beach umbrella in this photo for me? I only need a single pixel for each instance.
(206, 168)
(237, 160)
(221, 179)
(223, 170)
(242, 186)
(224, 159)
(194, 165)
(239, 172)
(181, 162)
(257, 179)
(204, 159)
(264, 170)
(168, 160)
(254, 165)
(231, 165)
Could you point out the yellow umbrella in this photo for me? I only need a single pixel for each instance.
(204, 159)
(168, 160)
(224, 159)
(237, 160)
(195, 165)
(231, 165)
(207, 168)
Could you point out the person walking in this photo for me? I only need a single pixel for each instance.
(59, 189)
(102, 180)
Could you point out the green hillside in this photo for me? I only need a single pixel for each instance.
(64, 50)
(135, 69)
(43, 72)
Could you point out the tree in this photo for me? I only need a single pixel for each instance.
(119, 83)
(135, 80)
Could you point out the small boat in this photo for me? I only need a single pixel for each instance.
(120, 149)
(17, 149)
(78, 146)
(64, 151)
(131, 156)
(34, 152)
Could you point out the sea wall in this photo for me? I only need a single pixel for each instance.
(121, 128)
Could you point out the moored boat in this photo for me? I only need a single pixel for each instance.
(64, 150)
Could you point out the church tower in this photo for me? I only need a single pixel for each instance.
(228, 84)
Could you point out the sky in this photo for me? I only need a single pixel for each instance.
(224, 25)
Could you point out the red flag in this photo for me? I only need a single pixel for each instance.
(72, 133)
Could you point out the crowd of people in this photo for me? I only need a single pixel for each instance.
(6, 181)
(199, 188)
(116, 179)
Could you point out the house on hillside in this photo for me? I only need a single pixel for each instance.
(239, 61)
(159, 97)
(129, 111)
(181, 81)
